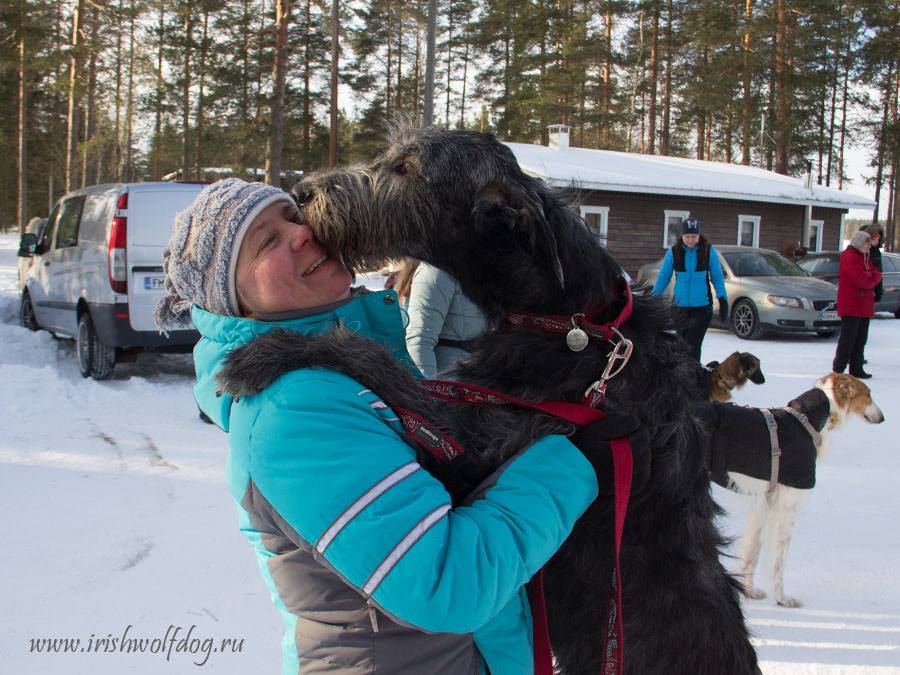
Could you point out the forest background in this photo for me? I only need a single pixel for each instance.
(134, 90)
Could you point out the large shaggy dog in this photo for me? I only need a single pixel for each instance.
(460, 201)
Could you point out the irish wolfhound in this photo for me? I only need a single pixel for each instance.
(460, 201)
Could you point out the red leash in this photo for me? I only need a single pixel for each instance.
(577, 329)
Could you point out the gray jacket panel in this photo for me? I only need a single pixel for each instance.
(439, 309)
(337, 631)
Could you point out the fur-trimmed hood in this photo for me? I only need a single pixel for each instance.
(379, 312)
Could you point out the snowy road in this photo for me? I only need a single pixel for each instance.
(118, 524)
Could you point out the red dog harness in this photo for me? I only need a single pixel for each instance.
(578, 330)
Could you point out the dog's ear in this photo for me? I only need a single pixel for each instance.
(506, 205)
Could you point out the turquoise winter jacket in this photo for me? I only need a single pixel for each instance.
(691, 286)
(369, 565)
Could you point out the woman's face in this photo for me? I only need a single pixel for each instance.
(867, 245)
(874, 238)
(282, 268)
(690, 240)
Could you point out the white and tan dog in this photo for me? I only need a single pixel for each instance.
(770, 524)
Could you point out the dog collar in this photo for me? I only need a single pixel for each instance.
(578, 329)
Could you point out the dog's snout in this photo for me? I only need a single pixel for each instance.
(873, 414)
(302, 193)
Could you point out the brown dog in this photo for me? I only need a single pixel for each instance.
(733, 373)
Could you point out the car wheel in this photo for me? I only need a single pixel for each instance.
(95, 359)
(27, 319)
(745, 321)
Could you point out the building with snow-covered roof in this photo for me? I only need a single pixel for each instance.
(635, 203)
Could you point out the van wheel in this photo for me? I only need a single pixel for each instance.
(745, 321)
(95, 359)
(27, 319)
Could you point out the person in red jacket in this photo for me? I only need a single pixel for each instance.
(857, 279)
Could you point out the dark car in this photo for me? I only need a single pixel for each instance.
(825, 266)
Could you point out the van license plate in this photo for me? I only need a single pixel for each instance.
(828, 316)
(154, 283)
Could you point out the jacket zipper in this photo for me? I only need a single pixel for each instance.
(373, 617)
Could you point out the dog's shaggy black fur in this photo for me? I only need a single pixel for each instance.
(460, 201)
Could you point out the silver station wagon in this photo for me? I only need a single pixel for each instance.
(767, 293)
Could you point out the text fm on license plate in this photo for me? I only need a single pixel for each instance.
(829, 316)
(153, 283)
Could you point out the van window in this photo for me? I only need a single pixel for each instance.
(95, 216)
(50, 227)
(67, 225)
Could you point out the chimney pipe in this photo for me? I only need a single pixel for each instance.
(558, 137)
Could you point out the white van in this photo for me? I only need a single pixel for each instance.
(96, 273)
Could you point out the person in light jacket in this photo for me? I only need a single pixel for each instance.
(694, 262)
(857, 279)
(370, 565)
(442, 321)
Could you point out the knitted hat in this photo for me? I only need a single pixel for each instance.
(859, 239)
(690, 226)
(200, 259)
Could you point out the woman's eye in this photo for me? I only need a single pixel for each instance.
(266, 242)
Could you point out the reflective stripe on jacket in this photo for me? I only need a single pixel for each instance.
(691, 284)
(358, 545)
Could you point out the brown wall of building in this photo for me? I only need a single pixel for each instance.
(635, 227)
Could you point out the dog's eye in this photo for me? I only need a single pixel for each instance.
(400, 168)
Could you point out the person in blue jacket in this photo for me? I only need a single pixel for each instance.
(694, 262)
(370, 565)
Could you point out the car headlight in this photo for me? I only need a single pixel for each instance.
(784, 301)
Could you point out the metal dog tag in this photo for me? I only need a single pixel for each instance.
(576, 339)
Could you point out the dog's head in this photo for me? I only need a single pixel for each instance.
(848, 395)
(460, 201)
(735, 371)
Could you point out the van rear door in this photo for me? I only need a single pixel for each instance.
(151, 216)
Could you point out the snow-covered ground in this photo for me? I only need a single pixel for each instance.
(117, 521)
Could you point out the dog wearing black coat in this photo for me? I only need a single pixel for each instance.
(459, 201)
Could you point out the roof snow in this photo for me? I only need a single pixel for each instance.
(655, 174)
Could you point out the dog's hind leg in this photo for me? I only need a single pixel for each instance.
(782, 515)
(748, 550)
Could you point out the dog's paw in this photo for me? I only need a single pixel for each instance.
(753, 592)
(789, 602)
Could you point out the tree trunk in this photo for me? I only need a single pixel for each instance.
(781, 131)
(606, 76)
(74, 117)
(128, 172)
(117, 124)
(188, 25)
(449, 64)
(883, 139)
(746, 116)
(654, 67)
(465, 75)
(667, 83)
(22, 156)
(307, 76)
(157, 126)
(335, 31)
(840, 167)
(90, 124)
(390, 56)
(400, 58)
(201, 101)
(276, 130)
(834, 87)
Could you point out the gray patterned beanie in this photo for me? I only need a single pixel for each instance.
(200, 259)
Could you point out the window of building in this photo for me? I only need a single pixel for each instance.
(672, 226)
(748, 231)
(816, 227)
(597, 219)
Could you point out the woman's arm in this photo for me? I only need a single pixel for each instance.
(349, 486)
(665, 274)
